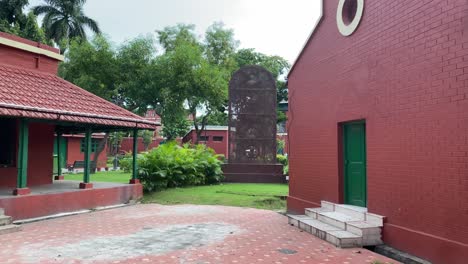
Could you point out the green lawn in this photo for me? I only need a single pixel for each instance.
(262, 196)
(103, 176)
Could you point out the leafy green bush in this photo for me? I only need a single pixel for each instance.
(170, 165)
(125, 163)
(284, 161)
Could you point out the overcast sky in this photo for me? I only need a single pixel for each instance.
(274, 27)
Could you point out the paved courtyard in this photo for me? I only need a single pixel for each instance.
(153, 233)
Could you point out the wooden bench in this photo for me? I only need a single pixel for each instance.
(80, 164)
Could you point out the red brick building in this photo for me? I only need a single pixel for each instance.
(394, 89)
(36, 105)
(74, 146)
(215, 137)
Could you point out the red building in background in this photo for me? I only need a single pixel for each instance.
(392, 93)
(215, 137)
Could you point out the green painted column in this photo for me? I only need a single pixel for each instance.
(135, 153)
(87, 156)
(22, 163)
(59, 155)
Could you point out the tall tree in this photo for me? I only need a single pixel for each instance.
(14, 21)
(26, 28)
(65, 19)
(134, 60)
(92, 66)
(220, 46)
(170, 37)
(12, 10)
(187, 78)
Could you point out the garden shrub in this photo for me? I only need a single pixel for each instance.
(282, 159)
(170, 165)
(126, 161)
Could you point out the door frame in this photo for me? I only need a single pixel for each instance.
(342, 158)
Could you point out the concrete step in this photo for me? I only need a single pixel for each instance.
(2, 211)
(5, 220)
(336, 219)
(351, 210)
(328, 205)
(294, 219)
(342, 225)
(6, 229)
(375, 219)
(344, 239)
(363, 228)
(330, 233)
(314, 212)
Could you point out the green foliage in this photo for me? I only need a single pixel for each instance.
(92, 66)
(173, 36)
(147, 137)
(65, 20)
(11, 11)
(135, 73)
(117, 75)
(170, 165)
(282, 159)
(191, 75)
(174, 126)
(126, 162)
(220, 46)
(280, 144)
(14, 21)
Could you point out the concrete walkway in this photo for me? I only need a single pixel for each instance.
(173, 234)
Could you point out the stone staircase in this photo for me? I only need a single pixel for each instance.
(342, 225)
(6, 225)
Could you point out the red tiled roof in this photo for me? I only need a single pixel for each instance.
(38, 95)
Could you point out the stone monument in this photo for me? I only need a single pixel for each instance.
(252, 127)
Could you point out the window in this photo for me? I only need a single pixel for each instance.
(204, 138)
(218, 138)
(349, 15)
(349, 11)
(7, 142)
(94, 144)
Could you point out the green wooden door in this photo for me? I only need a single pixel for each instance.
(354, 148)
(63, 153)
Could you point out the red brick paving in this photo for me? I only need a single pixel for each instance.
(257, 236)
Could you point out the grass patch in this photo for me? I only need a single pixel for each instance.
(261, 196)
(102, 176)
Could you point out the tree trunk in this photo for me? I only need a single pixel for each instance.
(99, 149)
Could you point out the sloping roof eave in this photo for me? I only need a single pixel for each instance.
(317, 24)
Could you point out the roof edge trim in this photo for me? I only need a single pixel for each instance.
(29, 48)
(319, 20)
(70, 113)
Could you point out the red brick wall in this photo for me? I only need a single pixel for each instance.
(74, 152)
(127, 144)
(25, 59)
(405, 71)
(40, 158)
(41, 152)
(219, 147)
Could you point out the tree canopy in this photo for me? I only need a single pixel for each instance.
(65, 19)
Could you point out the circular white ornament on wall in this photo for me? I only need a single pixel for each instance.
(348, 15)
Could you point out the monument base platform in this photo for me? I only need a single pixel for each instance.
(253, 173)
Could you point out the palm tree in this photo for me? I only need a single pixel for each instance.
(65, 20)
